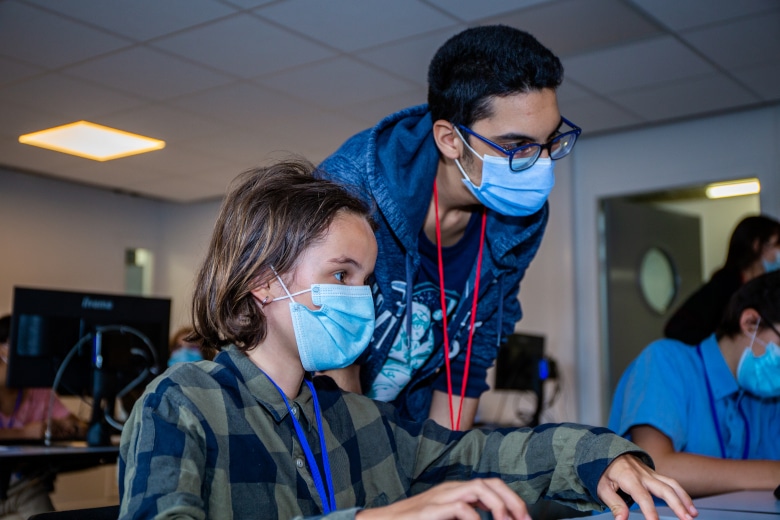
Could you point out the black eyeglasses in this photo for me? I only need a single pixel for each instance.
(525, 156)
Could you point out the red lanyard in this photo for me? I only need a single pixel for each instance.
(453, 423)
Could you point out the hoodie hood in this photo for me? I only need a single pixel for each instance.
(402, 165)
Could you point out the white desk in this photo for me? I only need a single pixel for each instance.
(746, 501)
(664, 513)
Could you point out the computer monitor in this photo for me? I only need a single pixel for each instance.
(518, 363)
(522, 365)
(111, 342)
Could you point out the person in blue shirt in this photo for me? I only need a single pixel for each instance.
(709, 414)
(754, 249)
(460, 187)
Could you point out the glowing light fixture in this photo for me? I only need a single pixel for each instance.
(733, 189)
(92, 141)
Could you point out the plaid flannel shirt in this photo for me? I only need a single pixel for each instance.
(214, 440)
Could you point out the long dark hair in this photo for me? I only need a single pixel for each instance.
(748, 239)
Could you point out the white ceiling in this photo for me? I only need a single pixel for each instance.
(229, 84)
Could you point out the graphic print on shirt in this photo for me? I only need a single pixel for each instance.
(405, 357)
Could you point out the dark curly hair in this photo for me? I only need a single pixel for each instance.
(483, 62)
(761, 294)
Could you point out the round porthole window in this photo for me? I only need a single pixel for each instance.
(657, 280)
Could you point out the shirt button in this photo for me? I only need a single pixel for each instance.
(295, 411)
(299, 462)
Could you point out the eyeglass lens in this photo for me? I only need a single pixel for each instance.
(559, 147)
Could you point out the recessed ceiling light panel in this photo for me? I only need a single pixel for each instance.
(92, 141)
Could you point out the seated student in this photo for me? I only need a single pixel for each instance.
(701, 411)
(183, 350)
(23, 418)
(754, 249)
(283, 294)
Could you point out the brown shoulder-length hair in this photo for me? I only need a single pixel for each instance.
(269, 218)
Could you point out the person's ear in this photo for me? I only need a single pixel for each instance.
(262, 294)
(447, 141)
(749, 321)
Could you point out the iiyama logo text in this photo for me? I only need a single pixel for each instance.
(101, 305)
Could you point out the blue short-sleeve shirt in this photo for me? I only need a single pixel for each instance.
(666, 387)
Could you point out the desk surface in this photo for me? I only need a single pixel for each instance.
(664, 513)
(55, 458)
(747, 501)
(76, 449)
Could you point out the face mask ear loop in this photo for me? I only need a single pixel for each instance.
(481, 158)
(457, 161)
(283, 286)
(753, 339)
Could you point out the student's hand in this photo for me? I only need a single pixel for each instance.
(629, 474)
(455, 501)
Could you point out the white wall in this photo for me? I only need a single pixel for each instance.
(65, 236)
(719, 217)
(732, 146)
(186, 230)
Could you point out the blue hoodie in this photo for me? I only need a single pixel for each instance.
(393, 166)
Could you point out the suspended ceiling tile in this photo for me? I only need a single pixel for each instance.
(243, 104)
(473, 11)
(701, 95)
(371, 112)
(165, 122)
(34, 159)
(312, 132)
(410, 58)
(744, 42)
(635, 65)
(247, 4)
(352, 25)
(70, 98)
(595, 114)
(244, 148)
(571, 91)
(763, 80)
(244, 46)
(140, 19)
(180, 189)
(574, 27)
(342, 81)
(12, 70)
(113, 175)
(148, 73)
(18, 120)
(679, 15)
(47, 40)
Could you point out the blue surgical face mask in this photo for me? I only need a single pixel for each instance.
(334, 335)
(510, 193)
(760, 375)
(772, 265)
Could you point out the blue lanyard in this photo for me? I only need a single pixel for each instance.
(328, 499)
(12, 417)
(714, 412)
